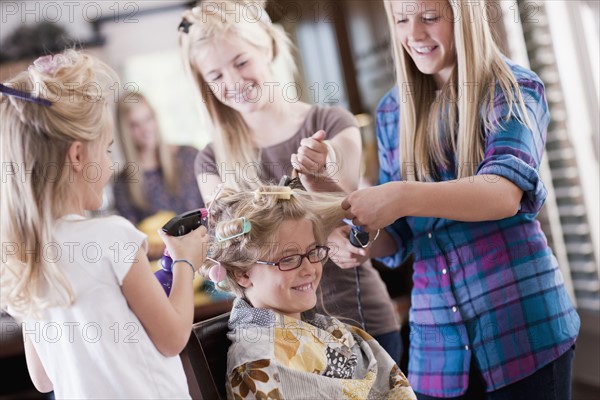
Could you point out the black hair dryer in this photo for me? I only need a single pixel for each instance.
(178, 226)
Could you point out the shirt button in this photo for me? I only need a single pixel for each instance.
(467, 347)
(444, 271)
(429, 235)
(454, 309)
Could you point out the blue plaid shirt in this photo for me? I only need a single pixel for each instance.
(490, 290)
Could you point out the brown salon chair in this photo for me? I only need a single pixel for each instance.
(205, 358)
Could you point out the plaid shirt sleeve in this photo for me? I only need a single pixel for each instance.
(387, 121)
(513, 150)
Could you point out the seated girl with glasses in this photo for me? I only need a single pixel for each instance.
(269, 248)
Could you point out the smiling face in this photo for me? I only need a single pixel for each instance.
(236, 72)
(426, 31)
(287, 292)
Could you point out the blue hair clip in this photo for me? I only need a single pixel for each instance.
(246, 226)
(24, 96)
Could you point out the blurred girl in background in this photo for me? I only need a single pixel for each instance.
(156, 177)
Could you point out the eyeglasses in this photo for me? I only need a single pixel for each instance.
(288, 263)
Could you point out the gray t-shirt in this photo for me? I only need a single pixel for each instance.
(275, 160)
(338, 285)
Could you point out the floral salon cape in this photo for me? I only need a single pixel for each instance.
(273, 356)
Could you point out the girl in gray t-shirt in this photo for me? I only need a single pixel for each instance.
(233, 51)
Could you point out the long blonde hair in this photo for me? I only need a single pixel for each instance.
(234, 147)
(265, 212)
(167, 163)
(462, 103)
(35, 142)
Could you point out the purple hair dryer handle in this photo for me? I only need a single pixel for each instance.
(165, 274)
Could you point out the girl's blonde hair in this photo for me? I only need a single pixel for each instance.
(167, 163)
(35, 142)
(247, 21)
(467, 100)
(265, 212)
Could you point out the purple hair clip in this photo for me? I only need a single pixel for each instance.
(24, 96)
(50, 64)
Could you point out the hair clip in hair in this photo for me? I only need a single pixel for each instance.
(285, 181)
(24, 96)
(246, 226)
(50, 64)
(284, 193)
(216, 195)
(222, 285)
(291, 181)
(184, 26)
(217, 272)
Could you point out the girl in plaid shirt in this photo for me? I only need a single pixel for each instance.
(460, 142)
